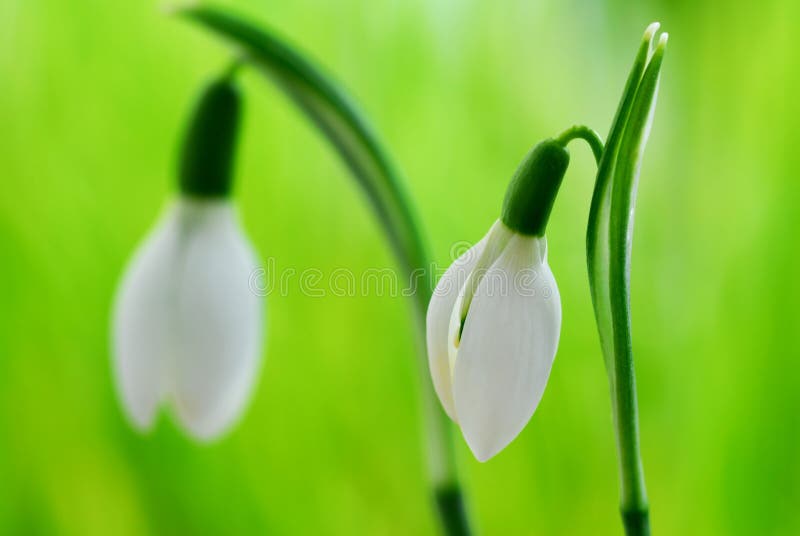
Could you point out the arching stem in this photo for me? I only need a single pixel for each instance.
(333, 112)
(588, 135)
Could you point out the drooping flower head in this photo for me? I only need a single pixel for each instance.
(494, 320)
(187, 329)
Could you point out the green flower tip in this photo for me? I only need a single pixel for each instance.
(533, 189)
(206, 165)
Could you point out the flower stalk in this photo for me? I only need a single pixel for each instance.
(332, 111)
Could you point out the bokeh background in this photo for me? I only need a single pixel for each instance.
(93, 96)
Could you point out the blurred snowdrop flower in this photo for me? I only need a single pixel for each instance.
(187, 330)
(494, 320)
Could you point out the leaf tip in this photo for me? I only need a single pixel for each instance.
(662, 40)
(651, 30)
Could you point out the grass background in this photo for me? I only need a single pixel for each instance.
(93, 96)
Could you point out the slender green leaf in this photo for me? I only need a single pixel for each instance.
(597, 247)
(608, 244)
(626, 178)
(623, 196)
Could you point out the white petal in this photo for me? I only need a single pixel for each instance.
(438, 321)
(496, 241)
(507, 347)
(219, 320)
(141, 327)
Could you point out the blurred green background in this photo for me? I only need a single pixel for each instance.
(93, 96)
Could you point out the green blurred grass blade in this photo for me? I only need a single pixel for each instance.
(329, 108)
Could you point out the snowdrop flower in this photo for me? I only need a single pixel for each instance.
(187, 330)
(494, 320)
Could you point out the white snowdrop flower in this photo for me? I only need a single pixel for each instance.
(187, 328)
(494, 320)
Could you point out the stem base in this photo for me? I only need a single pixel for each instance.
(636, 522)
(452, 512)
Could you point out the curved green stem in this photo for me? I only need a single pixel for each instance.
(584, 133)
(233, 69)
(335, 115)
